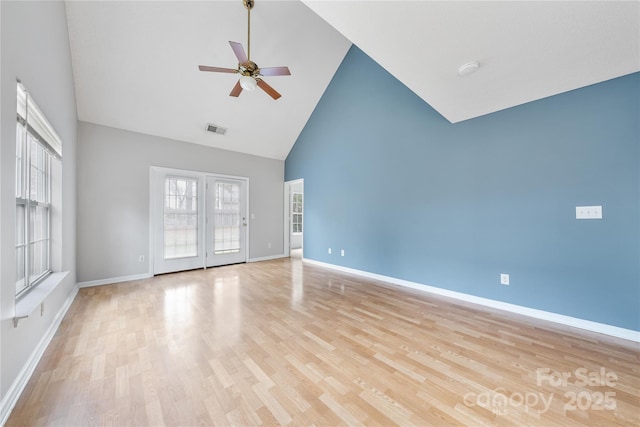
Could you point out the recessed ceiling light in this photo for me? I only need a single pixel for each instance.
(468, 68)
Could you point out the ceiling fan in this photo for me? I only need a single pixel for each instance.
(250, 74)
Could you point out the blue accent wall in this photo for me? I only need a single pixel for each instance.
(407, 194)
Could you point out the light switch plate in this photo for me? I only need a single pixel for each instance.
(588, 212)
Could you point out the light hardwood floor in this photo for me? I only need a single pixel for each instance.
(282, 343)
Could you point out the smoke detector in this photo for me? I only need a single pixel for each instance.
(216, 129)
(468, 68)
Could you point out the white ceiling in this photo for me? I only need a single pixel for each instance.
(135, 63)
(135, 67)
(527, 50)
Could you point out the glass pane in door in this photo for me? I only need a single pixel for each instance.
(180, 217)
(227, 218)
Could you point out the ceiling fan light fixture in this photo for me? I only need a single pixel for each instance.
(248, 83)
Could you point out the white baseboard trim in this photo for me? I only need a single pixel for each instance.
(267, 258)
(16, 389)
(602, 328)
(113, 280)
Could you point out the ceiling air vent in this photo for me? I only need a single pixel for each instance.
(216, 129)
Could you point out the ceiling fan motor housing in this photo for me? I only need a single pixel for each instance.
(248, 68)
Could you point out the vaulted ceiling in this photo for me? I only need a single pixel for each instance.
(136, 63)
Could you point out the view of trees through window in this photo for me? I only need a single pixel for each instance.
(296, 210)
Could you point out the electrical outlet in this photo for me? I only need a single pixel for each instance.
(504, 279)
(329, 251)
(141, 258)
(341, 252)
(269, 245)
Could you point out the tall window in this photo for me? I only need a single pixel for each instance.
(296, 209)
(37, 146)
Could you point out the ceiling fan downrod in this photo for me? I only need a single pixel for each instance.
(249, 5)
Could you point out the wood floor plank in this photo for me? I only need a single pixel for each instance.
(284, 343)
(339, 410)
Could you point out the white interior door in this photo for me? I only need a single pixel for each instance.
(226, 221)
(178, 223)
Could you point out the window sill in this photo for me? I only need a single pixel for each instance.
(27, 303)
(297, 234)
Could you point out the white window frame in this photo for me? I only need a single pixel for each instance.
(34, 133)
(293, 213)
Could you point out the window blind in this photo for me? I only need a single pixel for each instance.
(29, 115)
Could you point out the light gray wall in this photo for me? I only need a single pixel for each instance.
(35, 49)
(296, 239)
(113, 196)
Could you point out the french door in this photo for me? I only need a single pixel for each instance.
(226, 221)
(198, 220)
